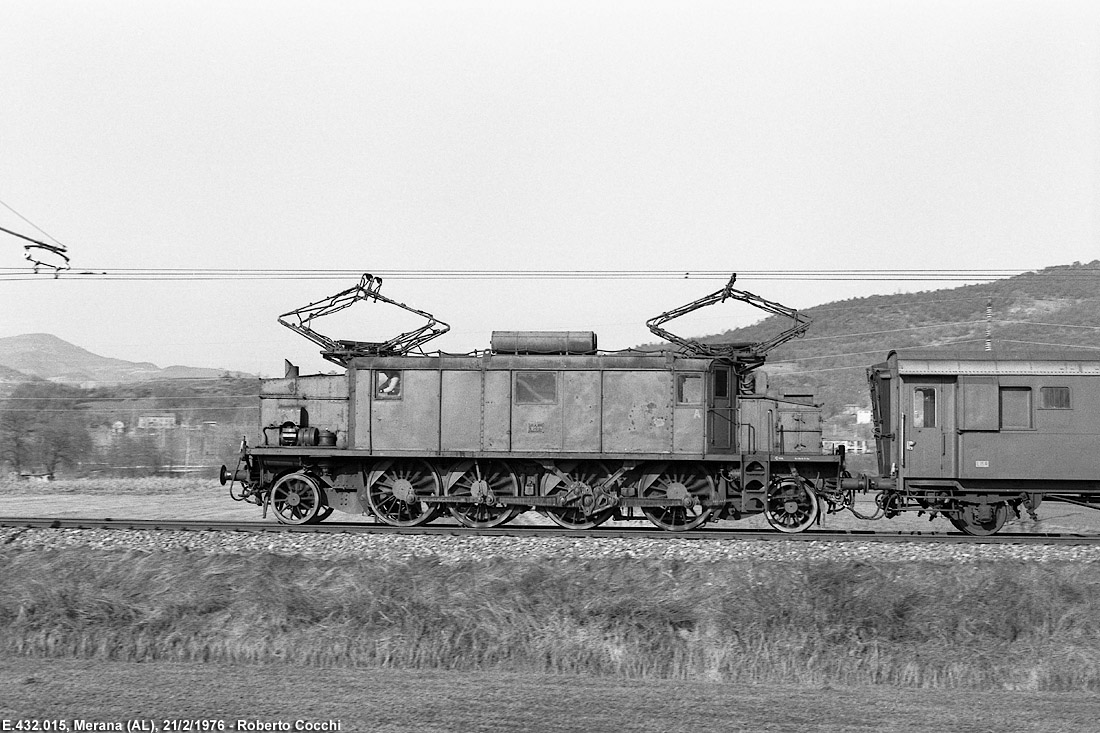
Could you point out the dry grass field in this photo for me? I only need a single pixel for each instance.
(613, 643)
(408, 701)
(147, 486)
(981, 625)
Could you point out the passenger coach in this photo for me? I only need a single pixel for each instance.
(976, 436)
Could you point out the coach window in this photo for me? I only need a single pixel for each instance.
(689, 389)
(924, 407)
(387, 384)
(536, 388)
(1054, 398)
(1015, 408)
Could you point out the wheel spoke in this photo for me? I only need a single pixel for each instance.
(685, 488)
(584, 481)
(296, 499)
(790, 505)
(395, 497)
(484, 483)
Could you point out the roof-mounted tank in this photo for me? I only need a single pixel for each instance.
(543, 342)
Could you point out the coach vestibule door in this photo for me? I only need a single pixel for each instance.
(929, 448)
(720, 410)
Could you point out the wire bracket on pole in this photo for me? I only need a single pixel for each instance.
(341, 351)
(751, 354)
(32, 254)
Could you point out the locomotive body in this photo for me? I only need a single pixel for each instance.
(581, 437)
(977, 435)
(541, 421)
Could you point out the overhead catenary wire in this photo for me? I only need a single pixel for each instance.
(31, 223)
(37, 247)
(849, 275)
(857, 274)
(1041, 343)
(177, 408)
(852, 366)
(773, 362)
(1053, 325)
(889, 330)
(819, 309)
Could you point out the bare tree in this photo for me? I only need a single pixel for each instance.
(15, 440)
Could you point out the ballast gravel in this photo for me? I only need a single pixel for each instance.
(451, 549)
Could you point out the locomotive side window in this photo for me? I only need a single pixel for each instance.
(1016, 408)
(536, 388)
(924, 407)
(689, 389)
(721, 383)
(387, 384)
(1054, 398)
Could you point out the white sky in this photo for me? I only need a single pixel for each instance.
(529, 136)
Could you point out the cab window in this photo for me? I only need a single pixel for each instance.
(721, 384)
(689, 389)
(388, 384)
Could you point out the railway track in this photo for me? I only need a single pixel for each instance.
(527, 531)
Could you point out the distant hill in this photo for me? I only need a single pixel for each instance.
(1053, 309)
(43, 356)
(9, 378)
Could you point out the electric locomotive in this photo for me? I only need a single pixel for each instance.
(540, 421)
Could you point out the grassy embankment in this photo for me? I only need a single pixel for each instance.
(1002, 625)
(146, 486)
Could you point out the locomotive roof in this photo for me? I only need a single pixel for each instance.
(487, 360)
(952, 361)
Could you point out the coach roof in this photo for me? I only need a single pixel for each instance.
(955, 362)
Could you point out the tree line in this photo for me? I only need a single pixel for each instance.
(48, 428)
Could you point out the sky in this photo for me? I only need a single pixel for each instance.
(596, 136)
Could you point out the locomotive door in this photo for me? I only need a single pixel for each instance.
(928, 450)
(720, 428)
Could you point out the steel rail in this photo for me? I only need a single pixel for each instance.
(527, 531)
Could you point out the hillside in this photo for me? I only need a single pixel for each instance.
(45, 356)
(12, 376)
(1055, 308)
